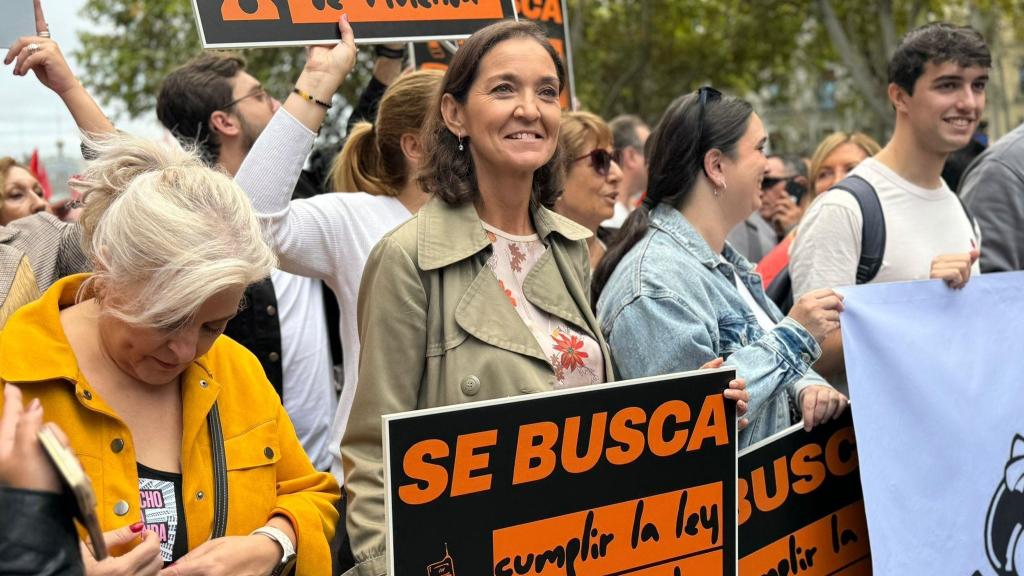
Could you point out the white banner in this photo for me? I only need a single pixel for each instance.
(938, 406)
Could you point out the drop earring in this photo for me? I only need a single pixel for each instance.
(461, 147)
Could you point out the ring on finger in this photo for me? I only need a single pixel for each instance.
(33, 48)
(44, 34)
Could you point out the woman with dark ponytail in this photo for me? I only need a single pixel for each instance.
(672, 294)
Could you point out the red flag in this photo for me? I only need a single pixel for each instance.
(35, 165)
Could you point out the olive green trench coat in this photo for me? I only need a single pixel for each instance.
(437, 330)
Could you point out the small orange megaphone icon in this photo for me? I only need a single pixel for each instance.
(234, 10)
(446, 567)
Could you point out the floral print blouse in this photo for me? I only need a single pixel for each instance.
(575, 357)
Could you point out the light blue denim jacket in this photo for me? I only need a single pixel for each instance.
(672, 304)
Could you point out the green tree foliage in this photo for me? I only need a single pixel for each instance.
(630, 55)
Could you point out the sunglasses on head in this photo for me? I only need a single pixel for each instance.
(601, 160)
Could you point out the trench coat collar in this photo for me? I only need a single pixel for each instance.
(448, 234)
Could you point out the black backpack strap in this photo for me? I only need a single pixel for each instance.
(872, 241)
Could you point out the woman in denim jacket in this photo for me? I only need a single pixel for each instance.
(673, 294)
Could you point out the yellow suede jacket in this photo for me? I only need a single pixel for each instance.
(268, 471)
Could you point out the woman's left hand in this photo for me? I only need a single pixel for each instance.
(820, 404)
(737, 391)
(235, 555)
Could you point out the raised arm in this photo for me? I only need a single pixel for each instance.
(306, 234)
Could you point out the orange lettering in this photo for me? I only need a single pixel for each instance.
(710, 423)
(552, 11)
(680, 413)
(833, 455)
(811, 472)
(744, 490)
(231, 11)
(763, 502)
(468, 460)
(416, 466)
(535, 445)
(571, 460)
(632, 440)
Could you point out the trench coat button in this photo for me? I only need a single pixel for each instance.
(200, 495)
(86, 394)
(117, 445)
(271, 311)
(274, 356)
(470, 385)
(268, 452)
(203, 384)
(121, 508)
(805, 357)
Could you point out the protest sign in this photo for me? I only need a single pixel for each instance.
(935, 381)
(801, 510)
(637, 478)
(246, 23)
(551, 15)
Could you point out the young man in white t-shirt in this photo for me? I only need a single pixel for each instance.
(937, 79)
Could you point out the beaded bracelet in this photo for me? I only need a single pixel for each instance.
(310, 98)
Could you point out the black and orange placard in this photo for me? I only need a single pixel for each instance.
(247, 23)
(801, 510)
(634, 478)
(552, 15)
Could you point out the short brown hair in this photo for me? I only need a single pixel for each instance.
(194, 91)
(576, 128)
(450, 174)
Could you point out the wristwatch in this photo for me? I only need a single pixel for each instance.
(287, 549)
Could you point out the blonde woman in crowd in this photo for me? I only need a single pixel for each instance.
(166, 416)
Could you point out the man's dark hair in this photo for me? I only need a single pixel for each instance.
(624, 132)
(194, 91)
(938, 42)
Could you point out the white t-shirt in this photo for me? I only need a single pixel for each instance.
(306, 363)
(766, 322)
(920, 224)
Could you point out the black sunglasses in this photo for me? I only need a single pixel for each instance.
(601, 160)
(769, 182)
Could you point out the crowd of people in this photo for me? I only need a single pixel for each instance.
(226, 317)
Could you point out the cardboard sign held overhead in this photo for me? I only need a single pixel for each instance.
(552, 15)
(635, 477)
(801, 509)
(250, 23)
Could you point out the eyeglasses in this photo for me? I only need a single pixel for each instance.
(704, 95)
(770, 182)
(258, 93)
(601, 160)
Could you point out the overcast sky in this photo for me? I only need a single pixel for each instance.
(30, 115)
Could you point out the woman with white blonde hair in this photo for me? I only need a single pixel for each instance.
(166, 416)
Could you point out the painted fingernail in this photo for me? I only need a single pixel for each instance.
(137, 527)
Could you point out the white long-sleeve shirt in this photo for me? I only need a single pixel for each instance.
(328, 237)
